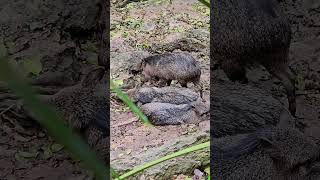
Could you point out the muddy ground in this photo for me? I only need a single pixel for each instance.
(26, 152)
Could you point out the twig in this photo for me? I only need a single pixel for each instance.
(5, 110)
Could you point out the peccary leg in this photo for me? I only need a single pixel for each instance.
(94, 135)
(184, 84)
(199, 87)
(235, 71)
(287, 79)
(169, 82)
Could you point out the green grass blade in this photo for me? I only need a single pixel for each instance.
(50, 120)
(170, 156)
(205, 2)
(124, 97)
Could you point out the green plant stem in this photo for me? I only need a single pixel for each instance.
(50, 120)
(205, 2)
(130, 104)
(170, 156)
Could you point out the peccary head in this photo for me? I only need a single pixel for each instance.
(84, 105)
(271, 153)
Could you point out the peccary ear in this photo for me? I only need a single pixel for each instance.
(93, 77)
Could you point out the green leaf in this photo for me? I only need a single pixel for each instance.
(118, 82)
(27, 154)
(47, 153)
(207, 170)
(32, 65)
(56, 147)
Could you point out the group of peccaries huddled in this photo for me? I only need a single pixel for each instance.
(253, 134)
(164, 104)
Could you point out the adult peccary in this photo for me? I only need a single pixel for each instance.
(271, 153)
(85, 108)
(171, 66)
(173, 114)
(173, 95)
(249, 32)
(241, 108)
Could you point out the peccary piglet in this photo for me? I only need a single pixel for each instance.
(171, 114)
(172, 66)
(85, 106)
(247, 32)
(270, 153)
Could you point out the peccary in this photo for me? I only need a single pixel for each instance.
(247, 32)
(171, 95)
(241, 108)
(172, 114)
(170, 105)
(172, 66)
(271, 153)
(85, 106)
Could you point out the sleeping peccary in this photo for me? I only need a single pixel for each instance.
(248, 32)
(170, 105)
(172, 114)
(269, 154)
(171, 66)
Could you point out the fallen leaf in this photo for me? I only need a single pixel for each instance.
(56, 147)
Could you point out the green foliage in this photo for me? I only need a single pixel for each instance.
(32, 65)
(129, 103)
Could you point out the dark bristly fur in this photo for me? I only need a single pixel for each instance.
(172, 66)
(85, 107)
(270, 153)
(245, 32)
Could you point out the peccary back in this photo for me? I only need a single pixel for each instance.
(168, 94)
(248, 32)
(271, 153)
(240, 108)
(172, 66)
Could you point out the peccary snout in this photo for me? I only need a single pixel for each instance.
(172, 66)
(246, 32)
(271, 153)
